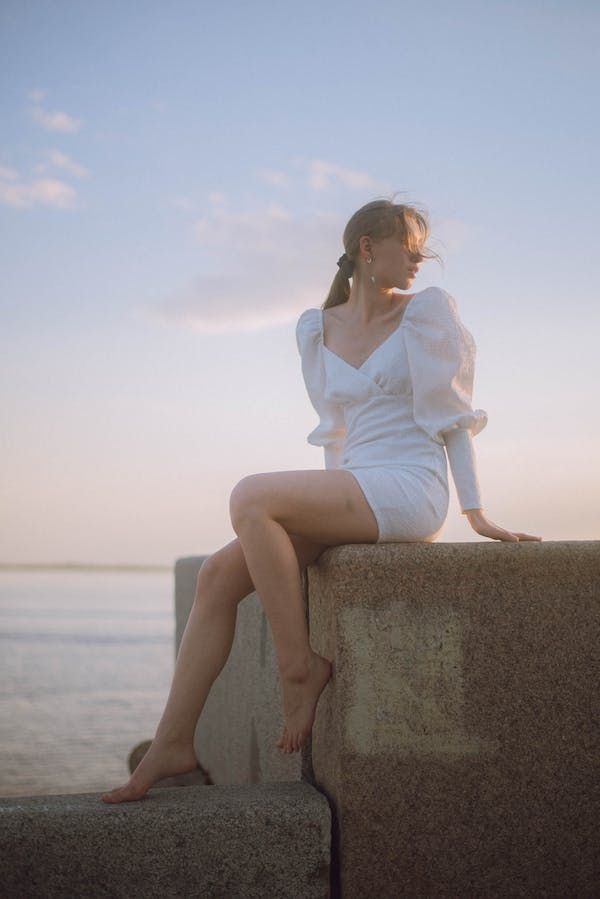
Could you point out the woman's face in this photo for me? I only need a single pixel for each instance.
(393, 264)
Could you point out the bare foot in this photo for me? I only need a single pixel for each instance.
(300, 696)
(161, 760)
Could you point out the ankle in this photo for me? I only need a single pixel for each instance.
(172, 739)
(297, 669)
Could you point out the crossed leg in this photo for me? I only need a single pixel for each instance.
(326, 506)
(284, 521)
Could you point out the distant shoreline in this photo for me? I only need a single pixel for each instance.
(78, 566)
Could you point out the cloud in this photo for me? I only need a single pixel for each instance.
(36, 96)
(217, 198)
(182, 203)
(274, 178)
(19, 193)
(7, 174)
(40, 191)
(324, 175)
(261, 269)
(61, 160)
(52, 121)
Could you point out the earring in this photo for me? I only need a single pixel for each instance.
(372, 276)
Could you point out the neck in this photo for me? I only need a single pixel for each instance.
(366, 301)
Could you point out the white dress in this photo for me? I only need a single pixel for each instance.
(391, 421)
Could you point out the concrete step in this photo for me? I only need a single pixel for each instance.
(215, 842)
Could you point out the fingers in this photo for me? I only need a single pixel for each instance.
(504, 536)
(517, 537)
(507, 536)
(491, 529)
(497, 533)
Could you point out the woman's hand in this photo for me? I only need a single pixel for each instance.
(487, 528)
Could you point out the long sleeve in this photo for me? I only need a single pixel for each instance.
(463, 465)
(330, 433)
(441, 356)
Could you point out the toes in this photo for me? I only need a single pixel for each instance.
(112, 794)
(122, 794)
(115, 796)
(291, 742)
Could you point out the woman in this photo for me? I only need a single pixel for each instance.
(391, 377)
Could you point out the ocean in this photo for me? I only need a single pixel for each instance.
(86, 661)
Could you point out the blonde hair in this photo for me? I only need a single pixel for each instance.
(380, 219)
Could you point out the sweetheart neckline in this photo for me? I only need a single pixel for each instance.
(378, 347)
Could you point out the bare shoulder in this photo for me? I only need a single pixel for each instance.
(338, 313)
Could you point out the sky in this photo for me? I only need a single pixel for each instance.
(174, 184)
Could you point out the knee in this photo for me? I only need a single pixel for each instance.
(214, 587)
(245, 502)
(209, 577)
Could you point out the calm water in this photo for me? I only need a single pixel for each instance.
(86, 661)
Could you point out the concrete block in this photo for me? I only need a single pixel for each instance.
(458, 739)
(214, 842)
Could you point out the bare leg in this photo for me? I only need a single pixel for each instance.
(222, 583)
(203, 651)
(275, 571)
(285, 520)
(266, 509)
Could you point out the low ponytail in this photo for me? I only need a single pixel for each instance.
(340, 287)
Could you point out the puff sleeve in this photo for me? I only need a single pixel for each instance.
(441, 357)
(330, 433)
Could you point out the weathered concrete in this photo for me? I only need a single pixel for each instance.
(458, 739)
(456, 745)
(218, 842)
(242, 718)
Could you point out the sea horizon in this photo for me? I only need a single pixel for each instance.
(86, 660)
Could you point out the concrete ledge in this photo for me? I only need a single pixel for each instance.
(458, 742)
(222, 842)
